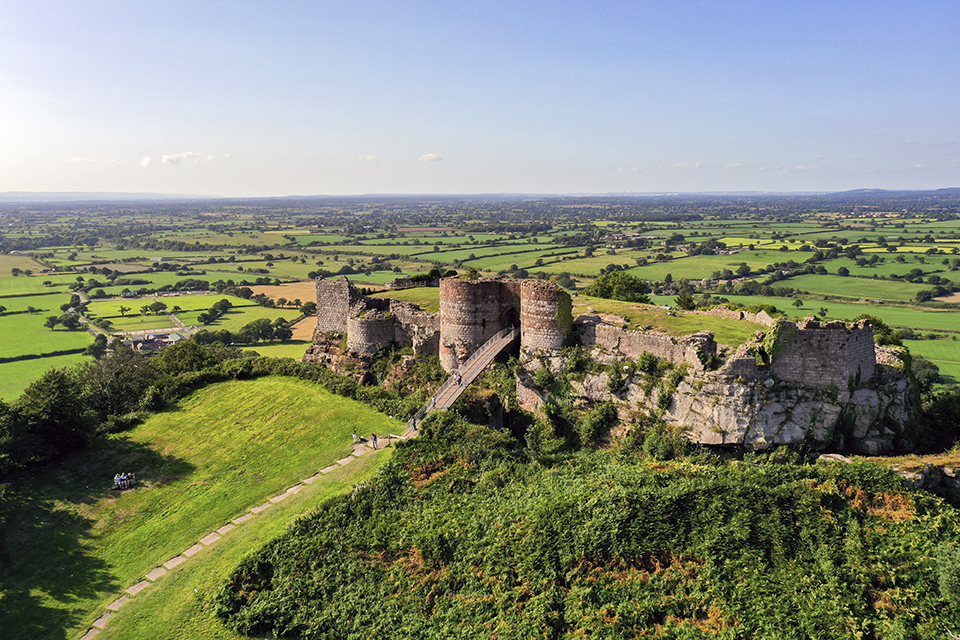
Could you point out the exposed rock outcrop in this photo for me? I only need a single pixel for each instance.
(813, 383)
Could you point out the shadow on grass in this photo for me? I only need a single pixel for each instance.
(50, 576)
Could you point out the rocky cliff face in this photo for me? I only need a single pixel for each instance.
(763, 409)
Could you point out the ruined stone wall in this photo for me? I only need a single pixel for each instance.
(400, 283)
(742, 365)
(824, 354)
(417, 327)
(334, 297)
(722, 312)
(694, 349)
(365, 334)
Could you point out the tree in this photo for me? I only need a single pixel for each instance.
(619, 285)
(843, 272)
(686, 301)
(69, 321)
(798, 303)
(823, 312)
(145, 310)
(926, 373)
(48, 419)
(115, 384)
(3, 309)
(51, 322)
(308, 308)
(123, 310)
(98, 348)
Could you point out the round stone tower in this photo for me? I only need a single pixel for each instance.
(469, 316)
(546, 316)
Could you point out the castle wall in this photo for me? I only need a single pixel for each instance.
(736, 314)
(626, 343)
(417, 327)
(823, 354)
(470, 314)
(334, 297)
(365, 334)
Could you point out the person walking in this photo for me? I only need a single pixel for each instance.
(374, 438)
(354, 436)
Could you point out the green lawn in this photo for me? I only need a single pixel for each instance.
(728, 332)
(427, 298)
(16, 376)
(73, 546)
(292, 349)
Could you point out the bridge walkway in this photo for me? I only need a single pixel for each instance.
(468, 371)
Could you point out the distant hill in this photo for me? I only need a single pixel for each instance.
(89, 196)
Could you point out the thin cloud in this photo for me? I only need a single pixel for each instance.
(735, 166)
(430, 157)
(364, 158)
(685, 165)
(146, 162)
(81, 160)
(177, 157)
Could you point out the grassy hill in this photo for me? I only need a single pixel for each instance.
(71, 545)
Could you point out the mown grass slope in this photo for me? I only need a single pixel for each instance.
(72, 545)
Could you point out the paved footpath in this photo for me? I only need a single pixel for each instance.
(151, 580)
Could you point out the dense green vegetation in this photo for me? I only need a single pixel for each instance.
(461, 536)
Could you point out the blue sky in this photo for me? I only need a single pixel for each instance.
(259, 99)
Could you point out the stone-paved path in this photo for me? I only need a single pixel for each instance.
(443, 399)
(151, 578)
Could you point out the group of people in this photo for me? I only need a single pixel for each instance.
(124, 480)
(373, 439)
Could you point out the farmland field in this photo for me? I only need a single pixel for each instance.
(858, 288)
(16, 376)
(944, 353)
(25, 334)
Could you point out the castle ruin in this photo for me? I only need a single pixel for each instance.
(471, 312)
(811, 381)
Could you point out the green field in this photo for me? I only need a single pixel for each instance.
(16, 376)
(855, 288)
(943, 353)
(726, 331)
(199, 466)
(902, 317)
(24, 334)
(48, 304)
